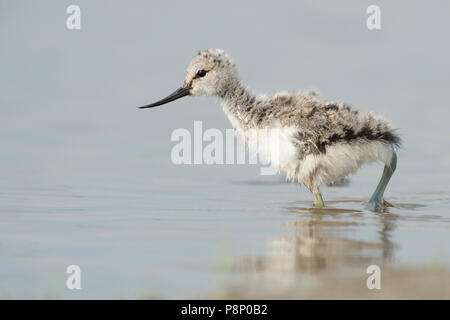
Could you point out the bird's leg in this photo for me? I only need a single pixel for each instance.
(376, 202)
(318, 201)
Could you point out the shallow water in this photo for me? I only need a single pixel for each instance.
(194, 231)
(86, 178)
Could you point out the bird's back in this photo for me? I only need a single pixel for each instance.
(319, 123)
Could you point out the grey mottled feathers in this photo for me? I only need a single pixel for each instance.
(320, 123)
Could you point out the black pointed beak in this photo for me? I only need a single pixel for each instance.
(181, 92)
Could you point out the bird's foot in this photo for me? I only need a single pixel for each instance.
(387, 204)
(318, 205)
(379, 205)
(375, 205)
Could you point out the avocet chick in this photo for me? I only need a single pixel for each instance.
(313, 141)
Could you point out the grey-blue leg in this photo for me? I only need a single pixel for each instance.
(376, 202)
(318, 201)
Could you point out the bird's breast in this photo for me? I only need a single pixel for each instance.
(275, 145)
(274, 141)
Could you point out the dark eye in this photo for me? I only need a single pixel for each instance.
(200, 74)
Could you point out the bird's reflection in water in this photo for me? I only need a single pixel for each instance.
(329, 239)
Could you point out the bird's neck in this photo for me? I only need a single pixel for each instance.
(238, 104)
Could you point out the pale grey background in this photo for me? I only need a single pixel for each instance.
(86, 178)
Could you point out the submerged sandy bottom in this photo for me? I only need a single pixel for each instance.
(397, 283)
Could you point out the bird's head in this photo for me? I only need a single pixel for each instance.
(210, 73)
